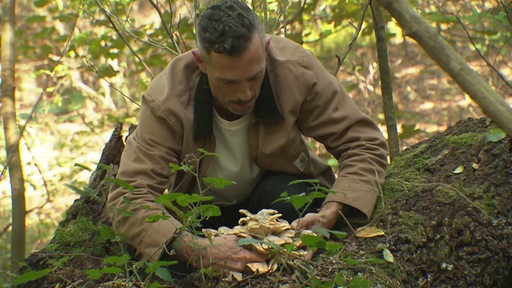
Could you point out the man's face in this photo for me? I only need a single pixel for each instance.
(235, 82)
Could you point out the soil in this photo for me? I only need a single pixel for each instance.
(446, 210)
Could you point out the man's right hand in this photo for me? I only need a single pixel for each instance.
(221, 253)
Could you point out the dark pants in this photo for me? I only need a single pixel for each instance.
(267, 191)
(264, 196)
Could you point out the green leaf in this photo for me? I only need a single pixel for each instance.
(35, 19)
(458, 170)
(155, 285)
(156, 218)
(85, 192)
(106, 70)
(218, 183)
(339, 234)
(164, 274)
(309, 181)
(209, 210)
(495, 134)
(388, 256)
(106, 232)
(112, 270)
(409, 131)
(82, 166)
(41, 3)
(153, 266)
(316, 195)
(185, 168)
(333, 248)
(94, 274)
(120, 183)
(359, 282)
(333, 163)
(31, 276)
(184, 200)
(321, 230)
(339, 279)
(314, 242)
(299, 200)
(117, 260)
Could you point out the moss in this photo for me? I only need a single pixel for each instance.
(464, 140)
(484, 200)
(445, 194)
(412, 227)
(76, 236)
(405, 173)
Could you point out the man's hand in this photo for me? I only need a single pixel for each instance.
(221, 253)
(326, 218)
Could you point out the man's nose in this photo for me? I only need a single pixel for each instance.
(244, 93)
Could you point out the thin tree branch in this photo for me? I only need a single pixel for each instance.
(508, 10)
(354, 39)
(107, 14)
(111, 84)
(470, 38)
(167, 27)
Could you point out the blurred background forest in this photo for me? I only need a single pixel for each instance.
(82, 66)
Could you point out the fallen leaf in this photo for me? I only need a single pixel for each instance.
(458, 170)
(233, 276)
(388, 256)
(495, 134)
(369, 232)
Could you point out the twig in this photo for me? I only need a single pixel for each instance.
(348, 223)
(107, 14)
(354, 39)
(480, 52)
(167, 27)
(508, 10)
(111, 84)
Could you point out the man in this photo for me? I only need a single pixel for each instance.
(252, 99)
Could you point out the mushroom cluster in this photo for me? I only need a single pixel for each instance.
(269, 233)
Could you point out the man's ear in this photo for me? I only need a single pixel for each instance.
(199, 60)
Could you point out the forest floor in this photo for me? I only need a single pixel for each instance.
(446, 212)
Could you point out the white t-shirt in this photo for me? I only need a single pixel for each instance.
(233, 161)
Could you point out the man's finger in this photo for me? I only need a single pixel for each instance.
(310, 254)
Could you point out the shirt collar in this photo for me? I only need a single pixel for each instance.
(265, 107)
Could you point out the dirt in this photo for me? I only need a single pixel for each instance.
(445, 226)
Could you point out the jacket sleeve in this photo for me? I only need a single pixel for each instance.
(145, 166)
(330, 116)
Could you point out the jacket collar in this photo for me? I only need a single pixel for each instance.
(265, 107)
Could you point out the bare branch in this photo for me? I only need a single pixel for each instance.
(107, 14)
(167, 27)
(354, 39)
(470, 38)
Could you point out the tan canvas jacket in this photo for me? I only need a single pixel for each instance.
(298, 98)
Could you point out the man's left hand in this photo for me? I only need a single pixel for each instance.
(327, 217)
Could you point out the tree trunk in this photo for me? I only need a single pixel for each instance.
(385, 81)
(12, 136)
(450, 61)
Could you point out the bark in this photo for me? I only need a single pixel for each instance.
(491, 103)
(12, 136)
(385, 81)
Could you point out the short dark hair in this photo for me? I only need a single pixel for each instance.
(227, 27)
